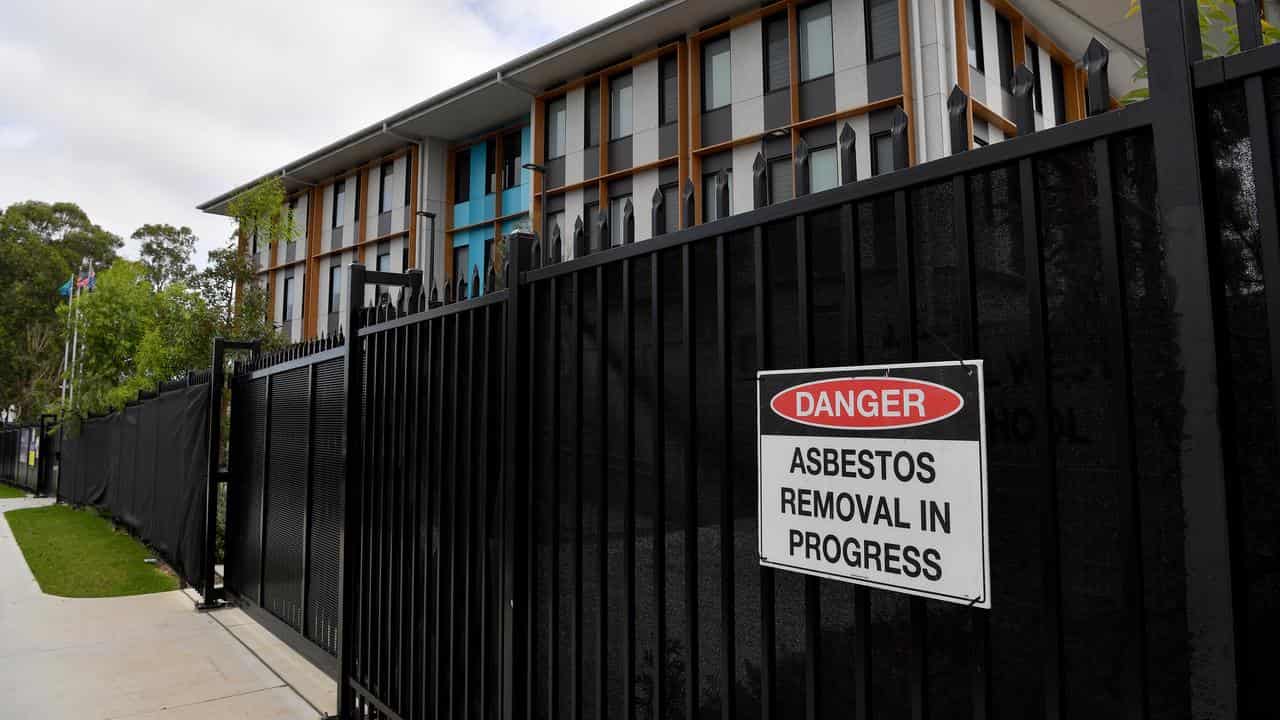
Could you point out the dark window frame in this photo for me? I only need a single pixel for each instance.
(706, 48)
(875, 156)
(975, 25)
(1033, 52)
(773, 21)
(591, 108)
(665, 62)
(335, 287)
(462, 171)
(386, 174)
(1058, 81)
(867, 24)
(339, 199)
(286, 306)
(613, 105)
(1004, 50)
(831, 20)
(511, 170)
(561, 103)
(408, 177)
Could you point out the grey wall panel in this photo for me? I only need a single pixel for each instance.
(620, 154)
(884, 79)
(717, 126)
(818, 97)
(555, 172)
(668, 141)
(591, 163)
(777, 109)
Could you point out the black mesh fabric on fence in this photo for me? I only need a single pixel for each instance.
(147, 467)
(284, 506)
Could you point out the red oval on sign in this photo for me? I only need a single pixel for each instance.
(867, 403)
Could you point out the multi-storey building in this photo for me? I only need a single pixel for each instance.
(667, 94)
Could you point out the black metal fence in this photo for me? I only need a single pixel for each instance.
(549, 491)
(144, 465)
(284, 507)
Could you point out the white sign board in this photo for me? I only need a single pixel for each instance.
(876, 475)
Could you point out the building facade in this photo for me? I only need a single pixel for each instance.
(587, 133)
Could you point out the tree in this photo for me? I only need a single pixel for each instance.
(237, 303)
(166, 253)
(41, 245)
(1219, 35)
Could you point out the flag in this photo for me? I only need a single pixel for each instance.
(65, 290)
(93, 280)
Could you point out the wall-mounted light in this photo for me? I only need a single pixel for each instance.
(534, 167)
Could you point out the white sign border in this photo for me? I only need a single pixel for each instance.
(984, 600)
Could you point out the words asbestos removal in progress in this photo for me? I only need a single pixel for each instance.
(877, 475)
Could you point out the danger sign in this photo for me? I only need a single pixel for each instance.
(877, 475)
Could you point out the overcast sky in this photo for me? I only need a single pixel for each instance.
(138, 110)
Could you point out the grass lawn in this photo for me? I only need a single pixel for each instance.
(77, 553)
(7, 492)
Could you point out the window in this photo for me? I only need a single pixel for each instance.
(670, 209)
(356, 197)
(335, 287)
(253, 241)
(1004, 46)
(777, 53)
(408, 174)
(288, 299)
(556, 220)
(1059, 94)
(512, 159)
(490, 166)
(781, 180)
(461, 264)
(822, 169)
(557, 118)
(488, 257)
(621, 112)
(293, 205)
(384, 187)
(591, 124)
(616, 227)
(384, 261)
(882, 29)
(462, 176)
(339, 199)
(589, 211)
(816, 58)
(1033, 54)
(669, 90)
(881, 153)
(404, 258)
(709, 205)
(974, 36)
(717, 74)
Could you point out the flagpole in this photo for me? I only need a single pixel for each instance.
(66, 341)
(75, 341)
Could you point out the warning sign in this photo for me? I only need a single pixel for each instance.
(877, 475)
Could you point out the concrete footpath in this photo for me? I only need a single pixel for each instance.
(146, 656)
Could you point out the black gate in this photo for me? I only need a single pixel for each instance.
(284, 502)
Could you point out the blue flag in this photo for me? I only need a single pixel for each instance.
(65, 290)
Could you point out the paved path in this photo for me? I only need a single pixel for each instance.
(147, 656)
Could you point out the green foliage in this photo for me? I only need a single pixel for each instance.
(78, 553)
(166, 253)
(41, 245)
(1219, 36)
(262, 210)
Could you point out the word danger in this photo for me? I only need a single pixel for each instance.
(867, 403)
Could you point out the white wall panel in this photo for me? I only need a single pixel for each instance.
(747, 53)
(644, 84)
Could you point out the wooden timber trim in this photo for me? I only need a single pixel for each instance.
(739, 20)
(606, 178)
(991, 116)
(477, 225)
(315, 223)
(362, 209)
(411, 169)
(682, 127)
(962, 64)
(602, 189)
(793, 60)
(362, 244)
(537, 137)
(605, 72)
(837, 116)
(694, 176)
(908, 86)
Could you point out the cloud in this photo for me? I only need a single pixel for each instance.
(140, 110)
